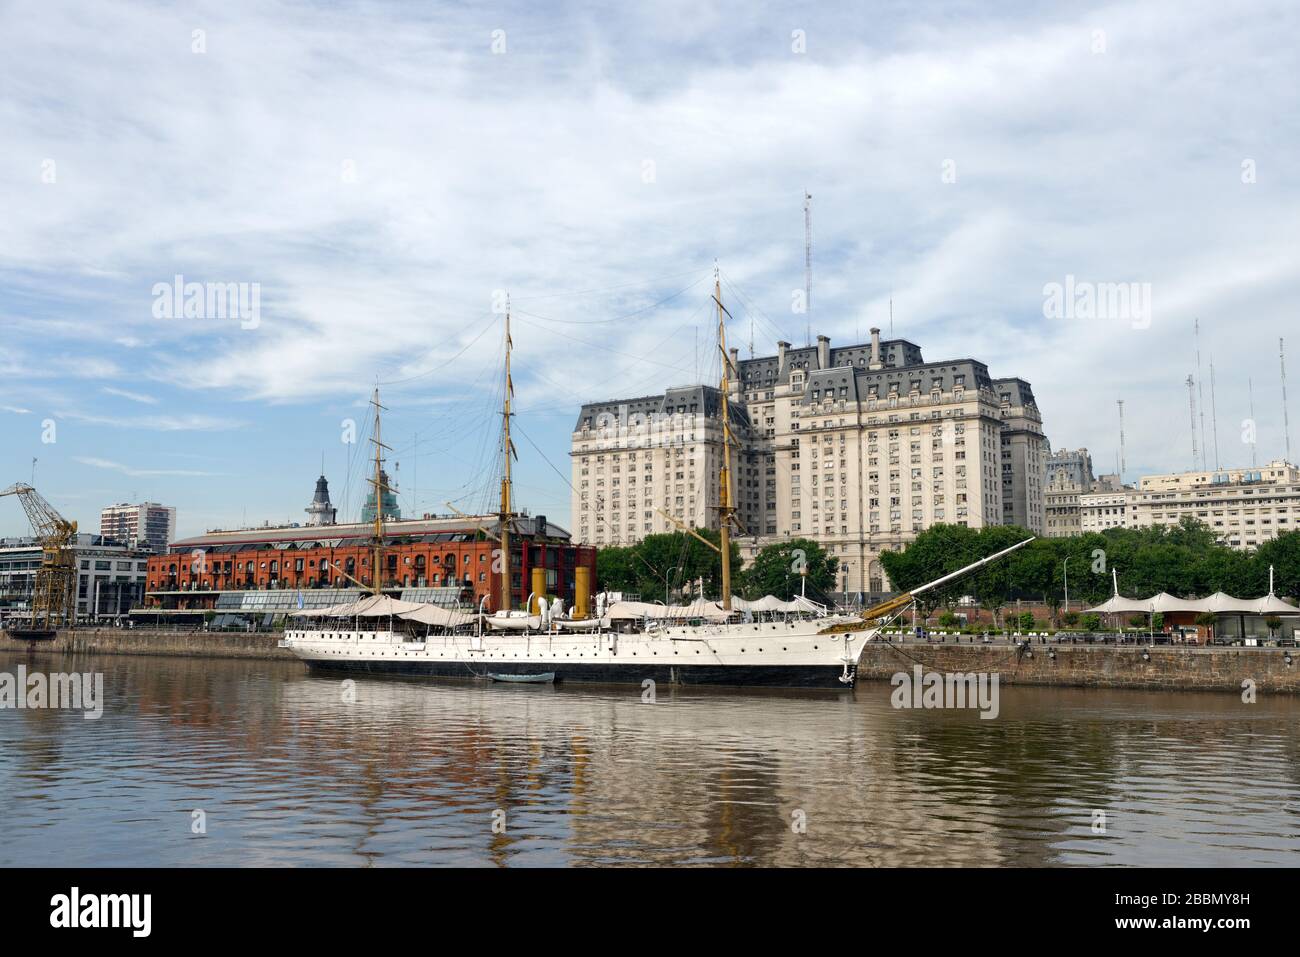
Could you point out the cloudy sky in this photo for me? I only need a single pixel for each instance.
(386, 172)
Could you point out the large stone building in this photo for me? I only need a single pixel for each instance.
(859, 448)
(1103, 509)
(147, 525)
(1069, 479)
(1067, 467)
(1244, 507)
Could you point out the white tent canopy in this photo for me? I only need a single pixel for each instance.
(1165, 602)
(625, 610)
(770, 603)
(1119, 605)
(372, 606)
(1219, 603)
(1272, 605)
(381, 606)
(437, 615)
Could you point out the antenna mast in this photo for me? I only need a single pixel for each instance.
(1191, 402)
(507, 451)
(807, 265)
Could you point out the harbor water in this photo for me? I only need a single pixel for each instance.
(198, 762)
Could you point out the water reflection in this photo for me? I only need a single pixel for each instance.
(288, 772)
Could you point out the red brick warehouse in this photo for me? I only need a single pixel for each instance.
(450, 553)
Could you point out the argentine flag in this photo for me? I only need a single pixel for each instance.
(300, 601)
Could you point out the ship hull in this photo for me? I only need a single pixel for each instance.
(755, 676)
(794, 654)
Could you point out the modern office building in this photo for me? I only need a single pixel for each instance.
(110, 576)
(147, 526)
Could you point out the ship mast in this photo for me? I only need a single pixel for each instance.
(507, 450)
(725, 508)
(376, 572)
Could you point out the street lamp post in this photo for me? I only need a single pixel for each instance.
(1065, 570)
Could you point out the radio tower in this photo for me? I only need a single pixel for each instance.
(807, 263)
(1191, 402)
(1286, 423)
(1122, 463)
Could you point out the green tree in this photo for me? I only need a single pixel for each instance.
(775, 570)
(1283, 553)
(666, 564)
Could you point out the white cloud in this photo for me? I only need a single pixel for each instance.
(524, 172)
(138, 472)
(133, 396)
(155, 423)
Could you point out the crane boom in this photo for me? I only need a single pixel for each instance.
(54, 589)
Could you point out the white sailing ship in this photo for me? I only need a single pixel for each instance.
(769, 642)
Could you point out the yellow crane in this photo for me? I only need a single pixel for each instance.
(54, 590)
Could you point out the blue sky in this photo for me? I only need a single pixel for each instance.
(384, 172)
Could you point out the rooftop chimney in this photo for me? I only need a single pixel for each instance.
(876, 363)
(823, 352)
(780, 356)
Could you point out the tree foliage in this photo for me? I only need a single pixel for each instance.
(1185, 560)
(775, 570)
(673, 562)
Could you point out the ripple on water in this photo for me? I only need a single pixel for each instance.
(286, 773)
